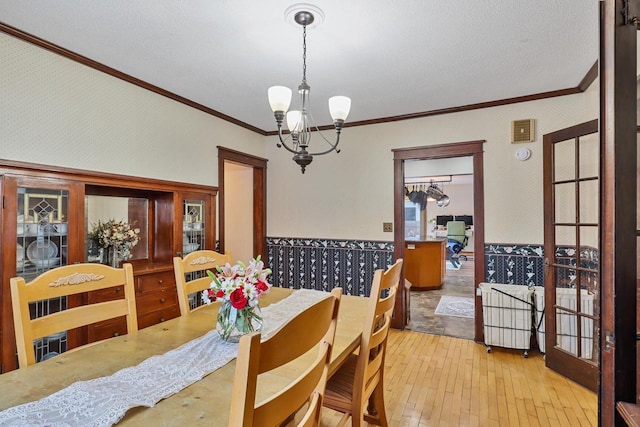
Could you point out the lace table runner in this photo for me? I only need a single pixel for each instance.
(104, 401)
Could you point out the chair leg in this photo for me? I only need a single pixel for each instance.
(377, 412)
(343, 420)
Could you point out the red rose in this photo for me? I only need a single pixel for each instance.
(238, 300)
(220, 294)
(262, 287)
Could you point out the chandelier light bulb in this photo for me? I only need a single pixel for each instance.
(294, 121)
(279, 98)
(339, 107)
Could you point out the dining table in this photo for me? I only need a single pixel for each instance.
(204, 402)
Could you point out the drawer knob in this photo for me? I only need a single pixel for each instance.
(117, 290)
(161, 299)
(161, 281)
(162, 319)
(116, 334)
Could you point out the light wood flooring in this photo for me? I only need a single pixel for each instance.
(436, 380)
(432, 379)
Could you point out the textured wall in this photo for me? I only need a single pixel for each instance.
(57, 112)
(349, 195)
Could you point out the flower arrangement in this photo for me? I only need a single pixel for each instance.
(115, 234)
(239, 287)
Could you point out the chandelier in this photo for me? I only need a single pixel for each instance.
(300, 122)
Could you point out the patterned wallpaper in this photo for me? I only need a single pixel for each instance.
(524, 264)
(326, 263)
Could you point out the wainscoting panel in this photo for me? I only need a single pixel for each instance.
(324, 264)
(524, 264)
(514, 264)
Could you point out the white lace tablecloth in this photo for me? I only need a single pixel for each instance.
(104, 401)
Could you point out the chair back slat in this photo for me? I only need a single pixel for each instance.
(357, 384)
(66, 281)
(197, 261)
(291, 341)
(314, 327)
(278, 407)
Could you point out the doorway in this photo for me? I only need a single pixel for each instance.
(472, 149)
(439, 255)
(251, 171)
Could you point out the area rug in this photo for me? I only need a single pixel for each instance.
(455, 306)
(452, 266)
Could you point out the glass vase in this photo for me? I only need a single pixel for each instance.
(232, 323)
(113, 257)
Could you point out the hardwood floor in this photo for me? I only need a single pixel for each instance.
(432, 379)
(436, 380)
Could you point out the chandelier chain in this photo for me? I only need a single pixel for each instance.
(304, 54)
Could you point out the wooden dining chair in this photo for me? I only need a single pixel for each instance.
(315, 326)
(359, 381)
(195, 266)
(65, 281)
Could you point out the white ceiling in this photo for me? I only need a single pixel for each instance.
(392, 57)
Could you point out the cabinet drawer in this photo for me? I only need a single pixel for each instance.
(158, 316)
(156, 300)
(107, 329)
(151, 282)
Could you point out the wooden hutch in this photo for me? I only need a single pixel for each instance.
(47, 214)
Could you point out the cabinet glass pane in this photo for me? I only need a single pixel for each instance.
(42, 240)
(193, 226)
(193, 239)
(42, 244)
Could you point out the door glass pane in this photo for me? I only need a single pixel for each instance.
(565, 203)
(589, 246)
(589, 155)
(565, 241)
(588, 332)
(589, 192)
(566, 331)
(564, 160)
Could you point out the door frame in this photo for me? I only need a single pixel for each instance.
(259, 166)
(430, 152)
(618, 122)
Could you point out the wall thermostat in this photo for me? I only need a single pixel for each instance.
(523, 153)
